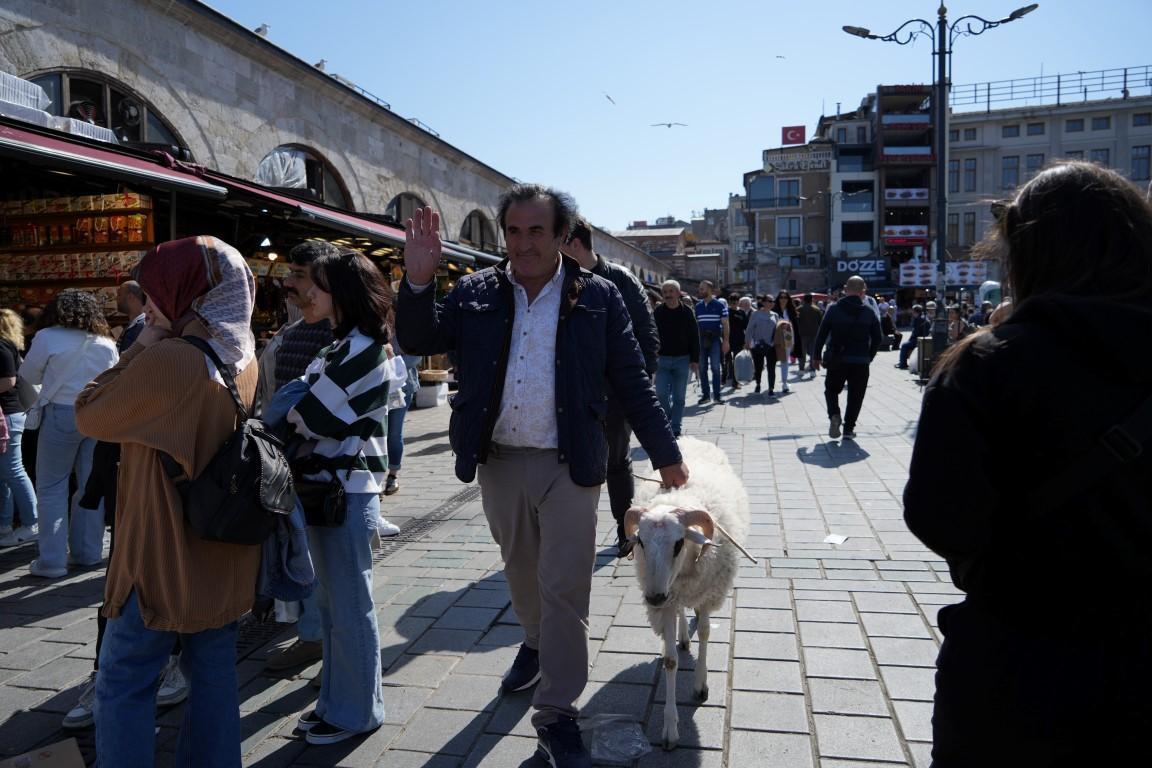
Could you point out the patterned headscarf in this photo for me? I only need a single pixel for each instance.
(209, 279)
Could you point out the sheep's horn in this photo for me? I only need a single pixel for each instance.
(698, 518)
(632, 521)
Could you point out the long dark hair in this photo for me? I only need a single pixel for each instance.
(782, 305)
(1077, 229)
(361, 295)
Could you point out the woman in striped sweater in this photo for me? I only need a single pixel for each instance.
(345, 412)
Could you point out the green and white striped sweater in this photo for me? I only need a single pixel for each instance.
(346, 409)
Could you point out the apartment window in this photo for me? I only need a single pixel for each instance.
(969, 174)
(1100, 156)
(861, 134)
(1074, 126)
(1102, 123)
(954, 134)
(1009, 131)
(969, 134)
(1010, 172)
(969, 227)
(1033, 164)
(841, 135)
(953, 175)
(762, 192)
(1074, 154)
(787, 231)
(953, 229)
(789, 194)
(1141, 167)
(1035, 129)
(1141, 119)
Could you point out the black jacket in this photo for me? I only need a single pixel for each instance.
(595, 349)
(636, 300)
(1006, 420)
(852, 332)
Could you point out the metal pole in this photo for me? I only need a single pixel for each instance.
(940, 327)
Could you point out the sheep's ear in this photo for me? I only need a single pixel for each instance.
(632, 522)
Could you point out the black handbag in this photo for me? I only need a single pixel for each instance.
(323, 502)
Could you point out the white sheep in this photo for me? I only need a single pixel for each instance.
(685, 559)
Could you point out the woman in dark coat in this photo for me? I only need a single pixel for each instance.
(1048, 660)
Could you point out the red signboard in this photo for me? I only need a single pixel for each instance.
(793, 134)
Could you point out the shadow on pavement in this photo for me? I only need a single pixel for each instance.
(832, 454)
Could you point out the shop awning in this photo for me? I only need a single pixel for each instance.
(41, 148)
(341, 221)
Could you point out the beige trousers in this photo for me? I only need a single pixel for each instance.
(546, 528)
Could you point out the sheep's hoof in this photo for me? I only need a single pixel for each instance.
(682, 645)
(702, 694)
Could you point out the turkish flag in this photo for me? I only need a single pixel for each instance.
(792, 134)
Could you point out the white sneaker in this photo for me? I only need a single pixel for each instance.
(24, 533)
(81, 715)
(385, 528)
(173, 687)
(44, 572)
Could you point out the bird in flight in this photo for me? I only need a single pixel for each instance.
(668, 125)
(610, 99)
(784, 57)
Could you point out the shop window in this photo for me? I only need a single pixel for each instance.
(403, 207)
(89, 97)
(788, 231)
(301, 169)
(1099, 156)
(1140, 163)
(478, 232)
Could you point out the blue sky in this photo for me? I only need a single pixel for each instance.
(521, 85)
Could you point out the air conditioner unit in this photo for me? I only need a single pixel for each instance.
(812, 248)
(813, 261)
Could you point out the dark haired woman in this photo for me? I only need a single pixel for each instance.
(63, 357)
(1048, 661)
(345, 411)
(785, 309)
(164, 583)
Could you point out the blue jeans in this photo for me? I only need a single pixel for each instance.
(131, 660)
(64, 524)
(17, 488)
(671, 386)
(396, 437)
(350, 695)
(710, 359)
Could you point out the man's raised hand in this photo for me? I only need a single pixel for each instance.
(422, 245)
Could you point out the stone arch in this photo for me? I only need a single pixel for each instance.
(479, 231)
(402, 206)
(301, 167)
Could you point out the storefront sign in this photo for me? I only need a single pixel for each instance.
(815, 161)
(905, 230)
(918, 274)
(965, 272)
(874, 269)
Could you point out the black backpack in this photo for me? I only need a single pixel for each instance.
(247, 485)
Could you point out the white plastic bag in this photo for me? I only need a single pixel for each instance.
(745, 367)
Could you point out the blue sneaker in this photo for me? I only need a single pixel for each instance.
(525, 671)
(560, 744)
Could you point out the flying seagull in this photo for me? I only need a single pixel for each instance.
(781, 57)
(669, 125)
(610, 99)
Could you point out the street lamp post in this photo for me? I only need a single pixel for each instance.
(943, 35)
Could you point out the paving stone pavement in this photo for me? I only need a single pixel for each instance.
(823, 657)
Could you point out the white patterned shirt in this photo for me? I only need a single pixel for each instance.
(528, 407)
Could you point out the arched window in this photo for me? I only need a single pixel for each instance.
(478, 232)
(298, 168)
(403, 206)
(95, 99)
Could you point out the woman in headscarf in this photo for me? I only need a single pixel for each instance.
(72, 347)
(166, 396)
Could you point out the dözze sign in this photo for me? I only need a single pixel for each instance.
(863, 267)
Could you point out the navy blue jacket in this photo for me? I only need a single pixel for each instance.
(636, 300)
(595, 349)
(852, 332)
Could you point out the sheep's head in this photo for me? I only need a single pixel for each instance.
(661, 535)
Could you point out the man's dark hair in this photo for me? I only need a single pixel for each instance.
(580, 231)
(708, 283)
(807, 298)
(563, 206)
(361, 295)
(308, 251)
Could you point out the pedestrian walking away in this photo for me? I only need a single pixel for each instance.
(164, 583)
(760, 340)
(621, 487)
(739, 310)
(808, 318)
(679, 352)
(848, 340)
(712, 318)
(1048, 660)
(539, 343)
